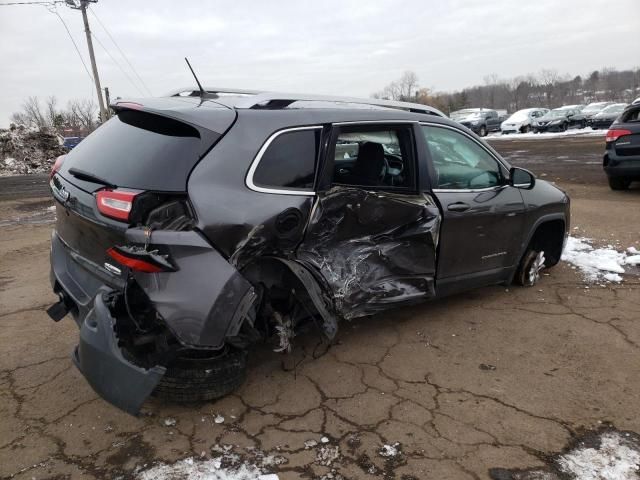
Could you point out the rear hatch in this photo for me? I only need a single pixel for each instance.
(627, 143)
(145, 151)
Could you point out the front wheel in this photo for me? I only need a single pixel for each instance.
(200, 377)
(525, 129)
(483, 131)
(619, 183)
(532, 264)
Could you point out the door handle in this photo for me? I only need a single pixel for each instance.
(458, 207)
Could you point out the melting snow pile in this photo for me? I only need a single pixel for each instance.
(190, 469)
(616, 458)
(598, 264)
(25, 151)
(227, 465)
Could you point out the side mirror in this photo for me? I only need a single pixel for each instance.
(521, 178)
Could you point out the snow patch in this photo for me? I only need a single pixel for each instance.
(615, 459)
(191, 469)
(390, 450)
(597, 264)
(545, 135)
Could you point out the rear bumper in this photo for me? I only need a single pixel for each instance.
(97, 355)
(201, 304)
(100, 360)
(627, 167)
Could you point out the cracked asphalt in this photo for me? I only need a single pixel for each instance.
(493, 378)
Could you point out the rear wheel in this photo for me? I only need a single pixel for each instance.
(200, 377)
(619, 183)
(532, 264)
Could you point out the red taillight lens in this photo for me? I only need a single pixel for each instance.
(116, 204)
(133, 263)
(56, 166)
(615, 133)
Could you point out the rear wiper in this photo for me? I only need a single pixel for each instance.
(89, 177)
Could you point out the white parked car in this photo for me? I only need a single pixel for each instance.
(522, 120)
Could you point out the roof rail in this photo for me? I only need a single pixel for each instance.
(195, 92)
(257, 99)
(274, 100)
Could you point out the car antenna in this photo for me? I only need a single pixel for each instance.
(202, 92)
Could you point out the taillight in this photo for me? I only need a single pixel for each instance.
(141, 260)
(116, 204)
(56, 166)
(615, 133)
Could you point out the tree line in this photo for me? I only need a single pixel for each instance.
(548, 89)
(79, 117)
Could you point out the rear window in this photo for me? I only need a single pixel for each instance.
(139, 150)
(289, 162)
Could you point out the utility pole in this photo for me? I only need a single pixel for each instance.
(104, 114)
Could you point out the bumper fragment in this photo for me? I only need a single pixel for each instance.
(102, 363)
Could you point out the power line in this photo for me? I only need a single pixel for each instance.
(55, 11)
(52, 2)
(116, 62)
(121, 52)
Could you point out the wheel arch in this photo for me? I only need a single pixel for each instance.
(548, 234)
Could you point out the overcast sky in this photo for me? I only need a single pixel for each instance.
(327, 47)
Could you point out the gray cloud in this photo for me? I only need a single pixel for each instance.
(332, 47)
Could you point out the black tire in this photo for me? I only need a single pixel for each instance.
(525, 275)
(535, 130)
(619, 183)
(525, 129)
(483, 131)
(565, 127)
(189, 380)
(583, 124)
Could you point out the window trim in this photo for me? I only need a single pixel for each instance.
(491, 154)
(256, 161)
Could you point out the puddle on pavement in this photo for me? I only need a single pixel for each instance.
(603, 454)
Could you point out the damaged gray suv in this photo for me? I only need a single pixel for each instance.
(191, 227)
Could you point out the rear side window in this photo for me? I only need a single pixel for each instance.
(139, 150)
(289, 161)
(632, 115)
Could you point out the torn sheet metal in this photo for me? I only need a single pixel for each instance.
(374, 249)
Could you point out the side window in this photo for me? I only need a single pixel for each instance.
(289, 161)
(375, 157)
(460, 163)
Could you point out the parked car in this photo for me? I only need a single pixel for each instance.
(621, 160)
(559, 120)
(522, 120)
(605, 118)
(478, 120)
(190, 228)
(70, 142)
(594, 108)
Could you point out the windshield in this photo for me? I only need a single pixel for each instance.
(618, 108)
(520, 115)
(557, 113)
(465, 113)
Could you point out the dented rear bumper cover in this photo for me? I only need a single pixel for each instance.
(199, 312)
(102, 363)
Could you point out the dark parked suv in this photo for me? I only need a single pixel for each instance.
(621, 160)
(190, 227)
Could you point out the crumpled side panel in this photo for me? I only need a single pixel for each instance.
(374, 249)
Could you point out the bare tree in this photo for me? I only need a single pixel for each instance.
(83, 113)
(404, 89)
(31, 114)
